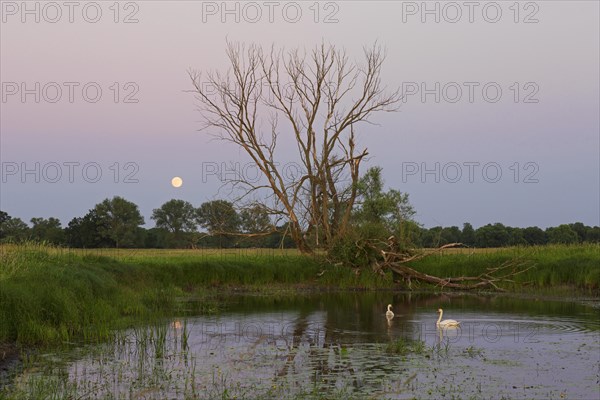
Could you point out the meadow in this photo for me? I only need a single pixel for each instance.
(51, 295)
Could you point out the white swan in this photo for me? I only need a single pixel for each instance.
(447, 322)
(389, 314)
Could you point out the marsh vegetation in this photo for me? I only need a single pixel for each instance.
(120, 323)
(335, 346)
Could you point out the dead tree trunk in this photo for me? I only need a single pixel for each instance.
(490, 278)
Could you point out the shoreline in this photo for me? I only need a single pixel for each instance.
(50, 296)
(10, 352)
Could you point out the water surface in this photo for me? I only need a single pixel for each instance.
(340, 345)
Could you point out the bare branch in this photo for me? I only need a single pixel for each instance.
(318, 97)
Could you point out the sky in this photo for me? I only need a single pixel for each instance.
(499, 121)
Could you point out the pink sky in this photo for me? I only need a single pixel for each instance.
(154, 138)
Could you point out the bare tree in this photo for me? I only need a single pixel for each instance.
(317, 99)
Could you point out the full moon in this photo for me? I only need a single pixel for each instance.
(176, 182)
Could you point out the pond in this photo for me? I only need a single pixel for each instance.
(340, 345)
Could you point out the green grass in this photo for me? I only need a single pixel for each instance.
(574, 267)
(404, 346)
(52, 295)
(49, 296)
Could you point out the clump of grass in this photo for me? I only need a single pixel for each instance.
(441, 348)
(403, 346)
(473, 351)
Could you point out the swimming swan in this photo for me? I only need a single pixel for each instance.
(389, 314)
(447, 322)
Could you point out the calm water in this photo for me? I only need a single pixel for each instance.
(337, 346)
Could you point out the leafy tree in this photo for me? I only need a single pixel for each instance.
(3, 217)
(468, 234)
(12, 229)
(84, 232)
(221, 220)
(156, 238)
(178, 217)
(562, 234)
(256, 224)
(255, 219)
(534, 236)
(118, 220)
(490, 235)
(439, 236)
(410, 233)
(175, 216)
(48, 230)
(592, 234)
(451, 235)
(581, 231)
(373, 205)
(279, 239)
(431, 237)
(218, 217)
(74, 233)
(380, 218)
(515, 236)
(380, 214)
(139, 237)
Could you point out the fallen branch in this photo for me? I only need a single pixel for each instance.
(486, 279)
(490, 278)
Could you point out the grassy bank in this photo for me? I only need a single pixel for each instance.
(573, 268)
(52, 295)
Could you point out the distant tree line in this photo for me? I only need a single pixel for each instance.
(499, 235)
(117, 222)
